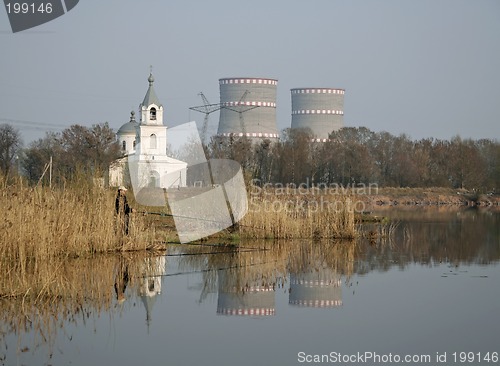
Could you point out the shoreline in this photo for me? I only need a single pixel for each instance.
(427, 197)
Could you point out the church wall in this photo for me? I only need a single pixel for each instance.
(145, 132)
(129, 139)
(149, 164)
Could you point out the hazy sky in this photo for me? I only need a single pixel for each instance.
(427, 68)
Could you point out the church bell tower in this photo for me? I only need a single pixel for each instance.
(152, 133)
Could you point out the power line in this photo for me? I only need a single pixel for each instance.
(32, 125)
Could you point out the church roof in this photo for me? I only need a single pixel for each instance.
(151, 97)
(128, 128)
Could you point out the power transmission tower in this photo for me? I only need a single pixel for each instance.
(240, 108)
(206, 108)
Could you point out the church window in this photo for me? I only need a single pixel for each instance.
(152, 141)
(124, 145)
(133, 145)
(152, 114)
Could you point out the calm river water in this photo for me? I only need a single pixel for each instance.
(425, 293)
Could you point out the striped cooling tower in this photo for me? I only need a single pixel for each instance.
(248, 107)
(320, 109)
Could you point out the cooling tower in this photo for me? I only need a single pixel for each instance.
(248, 107)
(318, 288)
(241, 296)
(320, 109)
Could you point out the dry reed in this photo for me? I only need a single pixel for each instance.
(290, 216)
(79, 219)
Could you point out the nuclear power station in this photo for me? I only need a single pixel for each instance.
(248, 107)
(320, 109)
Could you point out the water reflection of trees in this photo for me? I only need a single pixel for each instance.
(316, 270)
(428, 238)
(246, 277)
(257, 263)
(431, 237)
(40, 300)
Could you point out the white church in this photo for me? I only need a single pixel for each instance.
(144, 147)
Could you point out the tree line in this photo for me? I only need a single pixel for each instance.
(358, 155)
(75, 150)
(350, 156)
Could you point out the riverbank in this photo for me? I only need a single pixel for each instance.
(39, 223)
(389, 197)
(78, 219)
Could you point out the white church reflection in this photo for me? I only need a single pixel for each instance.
(150, 283)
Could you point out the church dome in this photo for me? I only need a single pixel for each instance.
(128, 128)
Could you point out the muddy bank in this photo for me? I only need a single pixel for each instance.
(428, 197)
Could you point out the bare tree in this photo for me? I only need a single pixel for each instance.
(10, 144)
(263, 161)
(348, 157)
(90, 149)
(77, 149)
(467, 168)
(38, 154)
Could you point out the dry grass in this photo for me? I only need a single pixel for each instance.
(77, 220)
(50, 271)
(299, 216)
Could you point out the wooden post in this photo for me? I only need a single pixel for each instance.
(50, 172)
